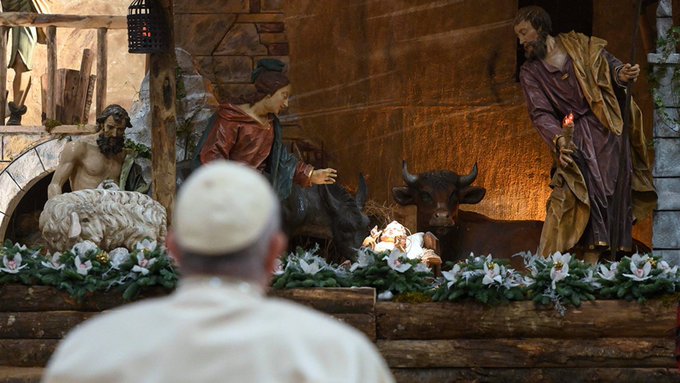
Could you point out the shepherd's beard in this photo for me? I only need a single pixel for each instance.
(110, 145)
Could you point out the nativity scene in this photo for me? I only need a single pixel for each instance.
(309, 191)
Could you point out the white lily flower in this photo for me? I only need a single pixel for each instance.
(560, 269)
(12, 266)
(471, 273)
(82, 267)
(278, 267)
(492, 273)
(421, 268)
(363, 260)
(396, 264)
(118, 256)
(310, 268)
(146, 245)
(666, 268)
(559, 257)
(452, 275)
(512, 281)
(143, 264)
(528, 281)
(608, 273)
(82, 248)
(640, 268)
(589, 279)
(385, 296)
(54, 263)
(19, 246)
(639, 259)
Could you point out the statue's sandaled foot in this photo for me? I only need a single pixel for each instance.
(15, 113)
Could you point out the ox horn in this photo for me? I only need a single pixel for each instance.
(468, 179)
(409, 178)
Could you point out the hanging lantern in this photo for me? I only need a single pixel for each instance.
(147, 29)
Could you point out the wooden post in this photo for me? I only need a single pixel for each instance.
(102, 60)
(51, 71)
(81, 96)
(163, 125)
(3, 73)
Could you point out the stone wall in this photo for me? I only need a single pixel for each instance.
(227, 37)
(666, 240)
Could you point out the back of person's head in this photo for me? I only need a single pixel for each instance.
(537, 17)
(225, 220)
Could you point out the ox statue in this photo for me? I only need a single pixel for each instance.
(438, 196)
(328, 212)
(109, 218)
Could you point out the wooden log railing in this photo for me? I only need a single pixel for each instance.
(51, 22)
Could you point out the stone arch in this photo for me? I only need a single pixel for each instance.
(27, 169)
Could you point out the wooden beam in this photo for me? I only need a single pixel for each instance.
(51, 72)
(89, 97)
(83, 86)
(162, 94)
(21, 374)
(329, 300)
(529, 353)
(102, 62)
(524, 319)
(26, 352)
(3, 72)
(15, 297)
(27, 19)
(71, 130)
(543, 375)
(40, 325)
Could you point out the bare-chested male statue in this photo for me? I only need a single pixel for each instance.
(88, 162)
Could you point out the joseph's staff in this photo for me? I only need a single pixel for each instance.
(619, 215)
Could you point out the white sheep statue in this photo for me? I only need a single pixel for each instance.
(109, 218)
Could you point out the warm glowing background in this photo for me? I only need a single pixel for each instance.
(432, 82)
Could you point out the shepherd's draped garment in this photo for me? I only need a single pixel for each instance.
(236, 136)
(215, 330)
(25, 38)
(582, 200)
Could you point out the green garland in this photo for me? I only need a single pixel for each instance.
(560, 280)
(85, 269)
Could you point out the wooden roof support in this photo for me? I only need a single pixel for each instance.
(4, 35)
(163, 118)
(23, 19)
(51, 72)
(70, 130)
(102, 63)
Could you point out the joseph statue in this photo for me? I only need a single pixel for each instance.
(573, 75)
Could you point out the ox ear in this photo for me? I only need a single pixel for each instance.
(403, 196)
(472, 195)
(75, 229)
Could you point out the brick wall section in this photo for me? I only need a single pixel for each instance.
(227, 37)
